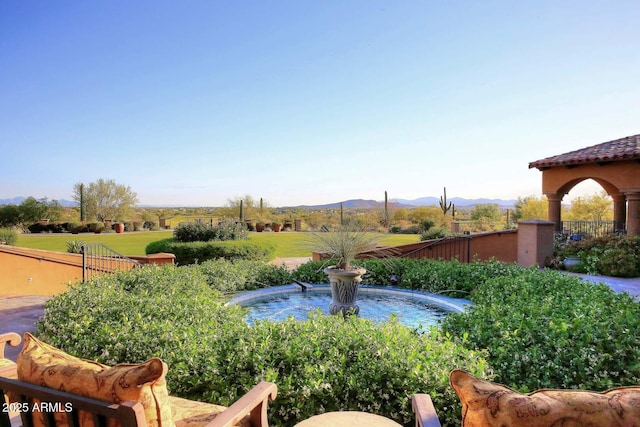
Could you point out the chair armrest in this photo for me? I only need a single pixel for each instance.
(254, 404)
(11, 338)
(425, 412)
(10, 371)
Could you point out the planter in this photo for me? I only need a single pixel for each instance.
(118, 227)
(571, 263)
(276, 227)
(259, 227)
(344, 289)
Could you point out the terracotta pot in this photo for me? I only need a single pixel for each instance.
(119, 228)
(571, 263)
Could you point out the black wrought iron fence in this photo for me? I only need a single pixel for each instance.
(98, 259)
(580, 229)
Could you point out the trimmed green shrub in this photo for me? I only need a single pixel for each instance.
(451, 278)
(548, 329)
(329, 364)
(434, 233)
(195, 252)
(241, 275)
(226, 229)
(613, 255)
(323, 364)
(8, 235)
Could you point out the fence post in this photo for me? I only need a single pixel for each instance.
(535, 242)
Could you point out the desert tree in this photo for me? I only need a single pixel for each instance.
(105, 199)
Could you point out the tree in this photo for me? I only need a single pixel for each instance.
(486, 215)
(30, 211)
(105, 199)
(596, 207)
(531, 207)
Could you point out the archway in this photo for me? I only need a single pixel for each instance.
(615, 165)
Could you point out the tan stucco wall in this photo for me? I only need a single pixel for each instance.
(26, 271)
(36, 272)
(614, 177)
(535, 242)
(500, 245)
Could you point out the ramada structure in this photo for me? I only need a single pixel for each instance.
(615, 165)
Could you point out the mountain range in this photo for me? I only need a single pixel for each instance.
(352, 203)
(406, 203)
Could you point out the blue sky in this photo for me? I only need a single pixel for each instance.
(308, 102)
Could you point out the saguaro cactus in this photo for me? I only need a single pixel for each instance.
(443, 202)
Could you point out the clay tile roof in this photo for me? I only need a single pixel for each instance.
(620, 149)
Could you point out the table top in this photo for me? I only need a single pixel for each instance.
(347, 419)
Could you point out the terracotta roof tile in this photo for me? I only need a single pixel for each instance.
(620, 149)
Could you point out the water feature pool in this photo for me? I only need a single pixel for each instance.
(413, 308)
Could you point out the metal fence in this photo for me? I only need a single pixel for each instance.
(447, 249)
(579, 229)
(99, 259)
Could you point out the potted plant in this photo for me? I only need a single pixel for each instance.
(342, 247)
(571, 262)
(276, 226)
(119, 227)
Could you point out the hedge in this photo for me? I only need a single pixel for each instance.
(195, 252)
(322, 364)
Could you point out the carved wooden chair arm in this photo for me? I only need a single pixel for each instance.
(254, 404)
(11, 338)
(425, 412)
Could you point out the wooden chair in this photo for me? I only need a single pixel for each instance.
(31, 402)
(8, 366)
(425, 412)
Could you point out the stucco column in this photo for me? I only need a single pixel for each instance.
(633, 212)
(619, 211)
(555, 209)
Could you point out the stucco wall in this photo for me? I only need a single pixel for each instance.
(36, 272)
(26, 271)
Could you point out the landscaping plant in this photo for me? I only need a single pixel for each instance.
(319, 365)
(550, 330)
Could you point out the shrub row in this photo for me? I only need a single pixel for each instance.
(323, 364)
(612, 255)
(226, 229)
(242, 275)
(547, 329)
(450, 278)
(195, 252)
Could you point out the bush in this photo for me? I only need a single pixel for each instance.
(241, 275)
(323, 364)
(612, 255)
(201, 232)
(195, 252)
(451, 278)
(8, 235)
(75, 246)
(435, 233)
(552, 330)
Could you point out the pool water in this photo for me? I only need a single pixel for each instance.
(413, 310)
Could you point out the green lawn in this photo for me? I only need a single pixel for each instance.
(288, 244)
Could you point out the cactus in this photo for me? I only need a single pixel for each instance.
(341, 215)
(241, 211)
(443, 203)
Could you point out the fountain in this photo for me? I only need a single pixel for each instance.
(412, 308)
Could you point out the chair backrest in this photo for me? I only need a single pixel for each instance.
(28, 399)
